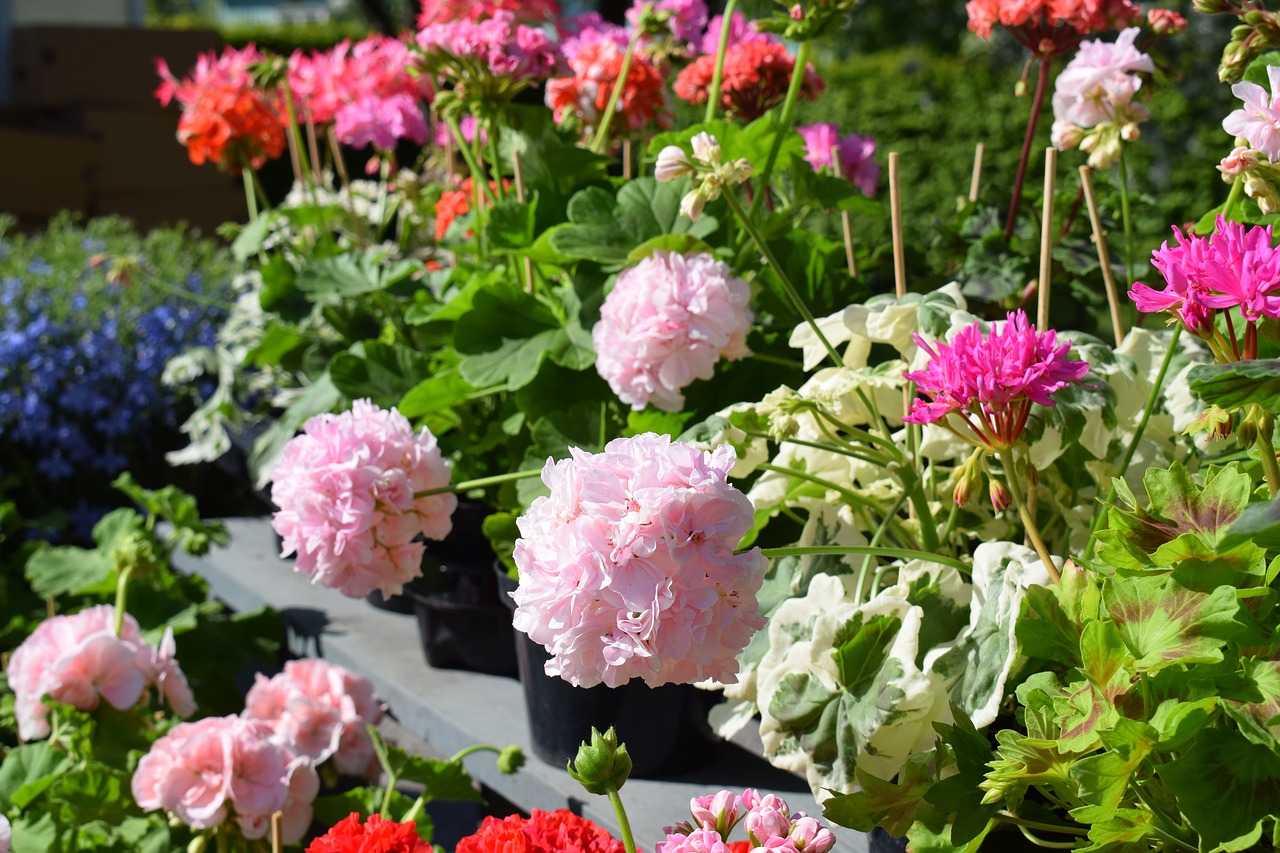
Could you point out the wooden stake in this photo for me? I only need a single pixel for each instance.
(846, 221)
(294, 156)
(517, 168)
(895, 210)
(314, 147)
(1104, 254)
(626, 159)
(276, 843)
(1046, 237)
(976, 181)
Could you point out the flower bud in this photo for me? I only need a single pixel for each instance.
(136, 553)
(999, 495)
(198, 844)
(602, 766)
(797, 14)
(706, 148)
(1166, 22)
(672, 163)
(1241, 159)
(1247, 432)
(716, 811)
(692, 203)
(1215, 420)
(810, 836)
(1211, 7)
(511, 759)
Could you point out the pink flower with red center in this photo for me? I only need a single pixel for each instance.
(322, 711)
(352, 496)
(533, 12)
(79, 660)
(628, 570)
(991, 381)
(856, 153)
(217, 768)
(499, 44)
(1235, 267)
(668, 321)
(1259, 120)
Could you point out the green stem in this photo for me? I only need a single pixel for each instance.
(122, 597)
(1100, 512)
(853, 498)
(483, 482)
(473, 166)
(713, 94)
(784, 121)
(928, 526)
(250, 194)
(875, 541)
(624, 825)
(496, 171)
(1024, 510)
(412, 813)
(1267, 450)
(844, 448)
(777, 359)
(1163, 824)
(878, 551)
(1233, 197)
(1006, 817)
(602, 132)
(787, 286)
(1124, 214)
(472, 750)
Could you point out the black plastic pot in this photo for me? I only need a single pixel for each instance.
(665, 728)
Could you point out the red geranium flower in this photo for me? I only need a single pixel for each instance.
(585, 95)
(377, 836)
(757, 73)
(560, 831)
(457, 202)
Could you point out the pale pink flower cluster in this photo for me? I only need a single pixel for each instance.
(771, 826)
(1097, 88)
(990, 381)
(217, 768)
(1235, 267)
(79, 660)
(628, 570)
(686, 17)
(1259, 120)
(322, 711)
(500, 44)
(348, 492)
(365, 89)
(583, 31)
(666, 322)
(856, 153)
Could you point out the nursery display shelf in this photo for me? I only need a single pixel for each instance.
(452, 709)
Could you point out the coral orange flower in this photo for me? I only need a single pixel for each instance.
(757, 73)
(376, 836)
(585, 95)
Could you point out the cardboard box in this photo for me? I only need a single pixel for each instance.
(46, 172)
(79, 66)
(140, 153)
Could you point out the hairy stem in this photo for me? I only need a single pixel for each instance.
(1037, 104)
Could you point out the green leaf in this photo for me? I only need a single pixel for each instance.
(1238, 384)
(1226, 787)
(320, 396)
(1259, 719)
(28, 771)
(501, 531)
(1124, 827)
(1104, 778)
(605, 228)
(443, 780)
(1164, 624)
(511, 224)
(384, 373)
(278, 341)
(1259, 524)
(327, 281)
(249, 241)
(441, 391)
(681, 244)
(653, 420)
(891, 805)
(861, 649)
(1179, 721)
(58, 570)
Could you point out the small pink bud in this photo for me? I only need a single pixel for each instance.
(1166, 22)
(797, 14)
(672, 163)
(999, 495)
(1240, 160)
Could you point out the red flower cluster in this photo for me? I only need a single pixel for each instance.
(377, 836)
(595, 70)
(226, 119)
(560, 831)
(757, 73)
(526, 11)
(457, 202)
(1050, 27)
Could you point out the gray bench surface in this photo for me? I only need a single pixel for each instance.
(451, 709)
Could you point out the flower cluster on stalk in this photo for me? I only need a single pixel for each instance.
(1093, 99)
(769, 823)
(1050, 27)
(711, 174)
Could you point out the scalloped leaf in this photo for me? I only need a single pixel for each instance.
(1165, 624)
(1238, 384)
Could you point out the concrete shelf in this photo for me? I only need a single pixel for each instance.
(451, 709)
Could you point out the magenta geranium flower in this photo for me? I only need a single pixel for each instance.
(990, 382)
(1236, 266)
(628, 570)
(666, 322)
(349, 491)
(856, 153)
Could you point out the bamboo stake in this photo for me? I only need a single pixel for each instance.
(1046, 237)
(1104, 254)
(313, 146)
(276, 843)
(975, 182)
(895, 209)
(293, 157)
(626, 159)
(517, 168)
(846, 221)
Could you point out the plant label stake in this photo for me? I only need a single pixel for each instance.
(1104, 253)
(1046, 237)
(845, 220)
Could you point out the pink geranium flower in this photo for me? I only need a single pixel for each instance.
(687, 17)
(628, 570)
(856, 153)
(1259, 120)
(770, 825)
(1235, 267)
(533, 12)
(501, 45)
(991, 381)
(219, 767)
(1100, 81)
(740, 29)
(349, 489)
(321, 710)
(79, 660)
(666, 322)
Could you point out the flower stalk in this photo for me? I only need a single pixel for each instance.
(1037, 104)
(602, 132)
(717, 76)
(785, 120)
(482, 482)
(1024, 510)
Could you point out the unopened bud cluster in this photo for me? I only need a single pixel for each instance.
(711, 174)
